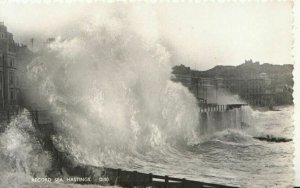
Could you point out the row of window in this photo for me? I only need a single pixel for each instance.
(2, 36)
(12, 95)
(11, 78)
(10, 61)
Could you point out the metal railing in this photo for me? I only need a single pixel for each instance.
(133, 178)
(208, 107)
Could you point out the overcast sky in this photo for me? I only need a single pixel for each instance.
(198, 35)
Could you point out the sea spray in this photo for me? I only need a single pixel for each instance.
(108, 89)
(21, 156)
(109, 92)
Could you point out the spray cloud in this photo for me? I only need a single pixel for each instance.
(108, 86)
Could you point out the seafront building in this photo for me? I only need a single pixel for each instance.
(247, 81)
(8, 70)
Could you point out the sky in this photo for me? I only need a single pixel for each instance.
(199, 35)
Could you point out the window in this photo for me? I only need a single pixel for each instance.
(11, 78)
(0, 83)
(10, 62)
(11, 95)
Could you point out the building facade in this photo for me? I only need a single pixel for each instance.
(253, 91)
(8, 70)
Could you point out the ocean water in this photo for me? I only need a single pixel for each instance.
(230, 156)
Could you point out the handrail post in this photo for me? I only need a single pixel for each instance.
(150, 178)
(183, 182)
(166, 181)
(118, 175)
(134, 178)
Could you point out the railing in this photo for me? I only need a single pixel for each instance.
(209, 107)
(134, 178)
